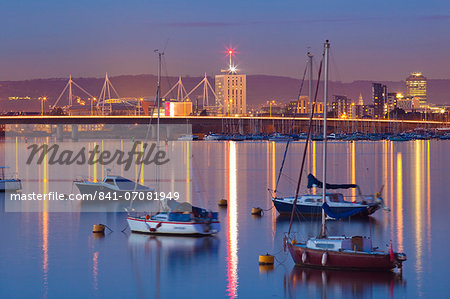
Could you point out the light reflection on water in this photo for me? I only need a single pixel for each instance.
(232, 254)
(51, 252)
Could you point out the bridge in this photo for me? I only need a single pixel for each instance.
(243, 125)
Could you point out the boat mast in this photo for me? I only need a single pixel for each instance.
(324, 163)
(310, 57)
(158, 92)
(158, 100)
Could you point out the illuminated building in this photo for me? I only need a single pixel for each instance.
(231, 93)
(391, 102)
(408, 104)
(416, 87)
(301, 108)
(341, 106)
(379, 97)
(360, 100)
(231, 89)
(178, 108)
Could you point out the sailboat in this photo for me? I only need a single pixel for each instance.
(311, 205)
(338, 252)
(336, 205)
(9, 183)
(175, 218)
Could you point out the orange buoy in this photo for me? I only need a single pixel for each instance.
(98, 228)
(256, 211)
(266, 259)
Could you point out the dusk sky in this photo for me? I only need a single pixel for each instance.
(370, 40)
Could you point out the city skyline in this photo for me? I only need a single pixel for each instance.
(384, 42)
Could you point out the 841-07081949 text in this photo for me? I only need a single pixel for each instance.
(98, 196)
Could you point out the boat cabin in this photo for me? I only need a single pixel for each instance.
(122, 183)
(331, 197)
(355, 243)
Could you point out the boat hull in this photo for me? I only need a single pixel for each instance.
(10, 185)
(142, 225)
(341, 260)
(316, 210)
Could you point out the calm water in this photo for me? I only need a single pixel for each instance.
(55, 255)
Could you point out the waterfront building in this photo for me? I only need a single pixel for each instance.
(271, 108)
(174, 108)
(356, 110)
(379, 98)
(341, 106)
(416, 87)
(408, 104)
(391, 102)
(368, 111)
(302, 107)
(231, 89)
(360, 100)
(298, 107)
(231, 93)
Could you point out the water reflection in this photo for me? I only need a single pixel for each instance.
(306, 282)
(399, 207)
(157, 259)
(45, 225)
(174, 251)
(95, 270)
(418, 196)
(232, 233)
(226, 264)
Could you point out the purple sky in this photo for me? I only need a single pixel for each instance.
(374, 40)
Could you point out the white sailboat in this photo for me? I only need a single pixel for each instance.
(9, 182)
(175, 218)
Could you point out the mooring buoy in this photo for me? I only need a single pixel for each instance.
(257, 211)
(266, 259)
(98, 228)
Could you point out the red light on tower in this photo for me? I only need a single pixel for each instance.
(231, 51)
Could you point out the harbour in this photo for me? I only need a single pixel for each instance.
(140, 265)
(224, 150)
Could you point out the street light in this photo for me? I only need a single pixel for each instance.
(139, 105)
(42, 104)
(92, 100)
(270, 107)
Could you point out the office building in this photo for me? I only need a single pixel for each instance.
(416, 87)
(379, 98)
(341, 106)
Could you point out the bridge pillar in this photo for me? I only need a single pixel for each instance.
(154, 133)
(169, 132)
(75, 132)
(59, 132)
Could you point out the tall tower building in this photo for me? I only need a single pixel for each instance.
(231, 89)
(416, 87)
(360, 100)
(379, 97)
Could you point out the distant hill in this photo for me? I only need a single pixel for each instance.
(260, 88)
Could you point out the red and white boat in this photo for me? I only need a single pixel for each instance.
(349, 253)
